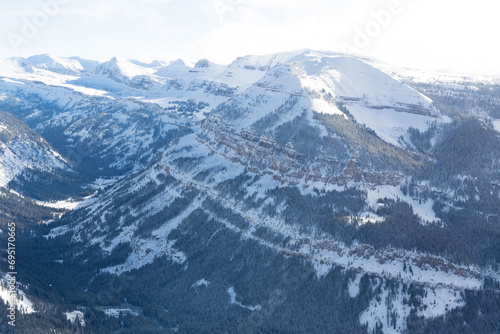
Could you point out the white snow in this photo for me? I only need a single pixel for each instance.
(352, 77)
(23, 304)
(377, 313)
(353, 287)
(123, 67)
(233, 296)
(13, 81)
(390, 124)
(75, 316)
(496, 124)
(68, 204)
(367, 218)
(324, 107)
(201, 282)
(428, 76)
(423, 210)
(54, 63)
(115, 312)
(440, 301)
(436, 302)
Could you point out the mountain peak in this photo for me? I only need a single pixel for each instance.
(60, 65)
(121, 67)
(203, 63)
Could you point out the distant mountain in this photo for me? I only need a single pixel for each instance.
(304, 191)
(65, 66)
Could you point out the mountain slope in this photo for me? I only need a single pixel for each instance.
(23, 149)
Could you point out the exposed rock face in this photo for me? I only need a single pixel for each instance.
(266, 156)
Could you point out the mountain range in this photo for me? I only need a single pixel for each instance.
(298, 192)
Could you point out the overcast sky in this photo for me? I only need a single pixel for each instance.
(454, 35)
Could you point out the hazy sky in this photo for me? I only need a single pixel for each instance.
(444, 34)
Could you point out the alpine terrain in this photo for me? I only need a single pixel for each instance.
(299, 192)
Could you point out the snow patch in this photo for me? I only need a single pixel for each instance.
(68, 204)
(201, 282)
(232, 296)
(496, 124)
(367, 218)
(390, 125)
(75, 316)
(391, 308)
(20, 300)
(422, 209)
(115, 312)
(353, 287)
(438, 302)
(324, 107)
(387, 310)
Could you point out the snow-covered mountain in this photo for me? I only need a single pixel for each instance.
(65, 66)
(22, 149)
(303, 191)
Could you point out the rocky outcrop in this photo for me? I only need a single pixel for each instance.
(263, 155)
